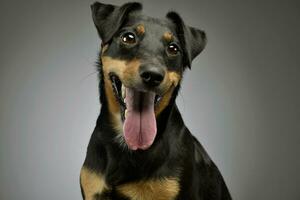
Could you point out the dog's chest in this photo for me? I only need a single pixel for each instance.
(161, 189)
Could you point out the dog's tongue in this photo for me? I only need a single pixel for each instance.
(140, 123)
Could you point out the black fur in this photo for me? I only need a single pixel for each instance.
(175, 151)
(192, 39)
(108, 18)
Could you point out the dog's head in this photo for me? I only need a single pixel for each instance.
(143, 60)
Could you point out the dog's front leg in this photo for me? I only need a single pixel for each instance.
(92, 184)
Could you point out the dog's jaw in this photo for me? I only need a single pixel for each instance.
(137, 120)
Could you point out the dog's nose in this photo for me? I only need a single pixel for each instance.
(152, 76)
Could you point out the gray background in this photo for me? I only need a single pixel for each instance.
(241, 98)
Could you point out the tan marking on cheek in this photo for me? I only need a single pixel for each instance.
(168, 37)
(171, 81)
(140, 29)
(114, 107)
(111, 99)
(127, 71)
(174, 78)
(164, 102)
(113, 65)
(161, 189)
(92, 183)
(116, 66)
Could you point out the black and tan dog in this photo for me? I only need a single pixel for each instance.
(141, 148)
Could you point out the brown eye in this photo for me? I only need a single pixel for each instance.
(172, 49)
(128, 38)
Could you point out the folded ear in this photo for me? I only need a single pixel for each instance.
(192, 39)
(109, 18)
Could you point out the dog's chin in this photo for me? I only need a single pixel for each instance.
(137, 110)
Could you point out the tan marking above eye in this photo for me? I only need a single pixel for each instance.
(159, 189)
(140, 29)
(92, 183)
(168, 37)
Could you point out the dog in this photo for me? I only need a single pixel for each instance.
(140, 148)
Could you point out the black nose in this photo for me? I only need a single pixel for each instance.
(152, 76)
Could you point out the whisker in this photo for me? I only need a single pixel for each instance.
(87, 76)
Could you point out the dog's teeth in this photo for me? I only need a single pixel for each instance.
(123, 91)
(125, 113)
(158, 99)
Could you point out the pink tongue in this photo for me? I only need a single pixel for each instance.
(140, 123)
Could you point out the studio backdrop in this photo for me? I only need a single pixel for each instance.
(241, 98)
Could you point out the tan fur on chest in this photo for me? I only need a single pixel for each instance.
(161, 189)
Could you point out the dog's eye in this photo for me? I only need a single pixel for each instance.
(128, 38)
(172, 49)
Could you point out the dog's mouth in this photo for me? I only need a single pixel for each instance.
(137, 113)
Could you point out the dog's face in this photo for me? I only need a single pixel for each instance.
(143, 60)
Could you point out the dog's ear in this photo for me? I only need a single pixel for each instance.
(109, 18)
(192, 39)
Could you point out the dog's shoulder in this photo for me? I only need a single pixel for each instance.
(200, 155)
(211, 181)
